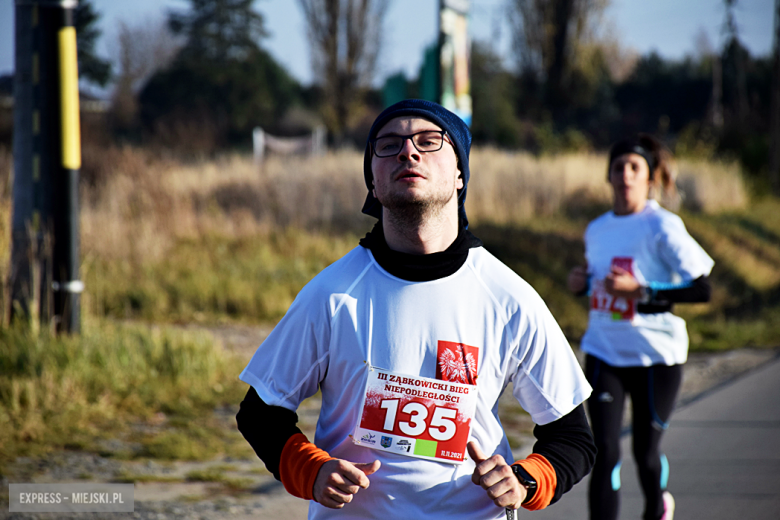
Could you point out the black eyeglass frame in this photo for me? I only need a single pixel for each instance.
(411, 138)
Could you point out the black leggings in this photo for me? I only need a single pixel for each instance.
(653, 391)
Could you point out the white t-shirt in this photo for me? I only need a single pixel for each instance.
(323, 341)
(656, 247)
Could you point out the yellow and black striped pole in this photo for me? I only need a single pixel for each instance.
(47, 158)
(67, 284)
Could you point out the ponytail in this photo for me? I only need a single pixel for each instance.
(663, 186)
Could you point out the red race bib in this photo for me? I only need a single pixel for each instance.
(416, 416)
(419, 416)
(620, 309)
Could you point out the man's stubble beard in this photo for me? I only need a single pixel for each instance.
(408, 211)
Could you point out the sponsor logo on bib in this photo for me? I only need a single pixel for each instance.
(404, 445)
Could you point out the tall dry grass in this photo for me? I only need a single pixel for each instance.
(141, 209)
(163, 237)
(227, 239)
(142, 204)
(511, 188)
(135, 205)
(711, 186)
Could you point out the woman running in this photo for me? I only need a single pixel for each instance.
(640, 261)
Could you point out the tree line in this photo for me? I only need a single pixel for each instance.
(202, 81)
(577, 89)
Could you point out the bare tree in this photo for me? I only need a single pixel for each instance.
(549, 36)
(742, 107)
(345, 37)
(704, 52)
(138, 52)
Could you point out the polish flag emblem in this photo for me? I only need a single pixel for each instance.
(457, 362)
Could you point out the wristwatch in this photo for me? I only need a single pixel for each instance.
(647, 294)
(526, 480)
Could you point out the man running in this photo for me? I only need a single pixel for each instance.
(411, 339)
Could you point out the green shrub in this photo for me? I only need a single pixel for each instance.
(214, 278)
(71, 392)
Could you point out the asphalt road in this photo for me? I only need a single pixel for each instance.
(724, 455)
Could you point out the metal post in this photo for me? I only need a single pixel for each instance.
(258, 144)
(26, 217)
(47, 155)
(774, 104)
(67, 284)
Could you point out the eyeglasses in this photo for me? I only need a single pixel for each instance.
(425, 141)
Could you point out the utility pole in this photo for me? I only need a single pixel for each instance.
(716, 110)
(774, 138)
(741, 104)
(47, 158)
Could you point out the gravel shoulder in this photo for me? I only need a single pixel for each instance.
(245, 490)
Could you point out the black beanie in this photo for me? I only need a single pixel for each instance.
(456, 129)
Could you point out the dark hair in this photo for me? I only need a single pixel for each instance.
(659, 159)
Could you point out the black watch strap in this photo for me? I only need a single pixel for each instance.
(526, 480)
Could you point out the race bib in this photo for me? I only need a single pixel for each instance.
(620, 309)
(416, 416)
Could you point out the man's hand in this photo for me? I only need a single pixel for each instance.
(578, 279)
(338, 480)
(622, 284)
(497, 478)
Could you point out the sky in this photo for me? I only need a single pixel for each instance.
(669, 27)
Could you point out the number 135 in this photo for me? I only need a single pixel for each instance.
(441, 428)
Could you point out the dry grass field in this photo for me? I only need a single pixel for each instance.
(207, 241)
(228, 239)
(139, 206)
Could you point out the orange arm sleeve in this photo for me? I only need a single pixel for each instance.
(546, 480)
(299, 464)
